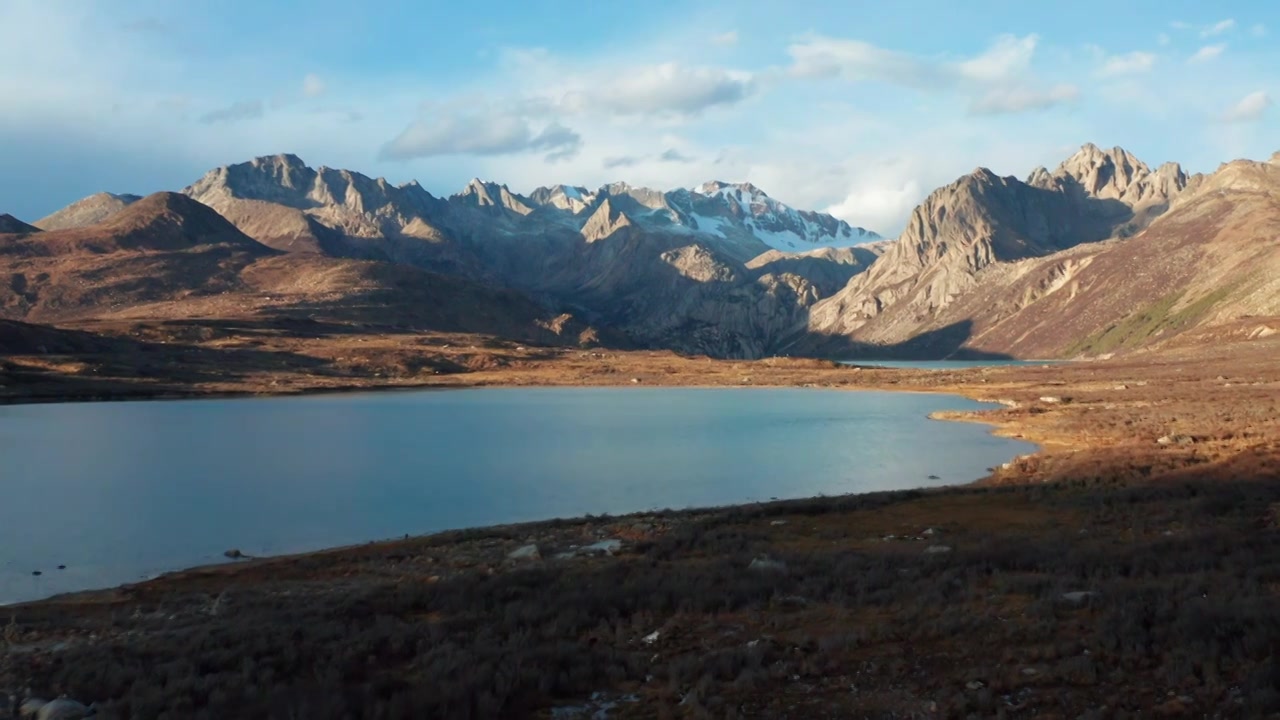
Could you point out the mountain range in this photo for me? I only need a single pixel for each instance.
(1103, 254)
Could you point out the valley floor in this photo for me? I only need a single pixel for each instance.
(1130, 568)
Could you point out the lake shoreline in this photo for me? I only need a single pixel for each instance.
(677, 507)
(1166, 463)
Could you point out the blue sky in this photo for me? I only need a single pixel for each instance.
(859, 109)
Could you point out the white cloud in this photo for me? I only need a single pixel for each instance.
(856, 61)
(1259, 30)
(1180, 25)
(1218, 28)
(1127, 64)
(674, 155)
(998, 80)
(485, 132)
(875, 203)
(312, 85)
(666, 89)
(1163, 39)
(1251, 108)
(1007, 57)
(725, 39)
(1207, 53)
(1018, 99)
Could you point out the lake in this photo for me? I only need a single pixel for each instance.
(118, 492)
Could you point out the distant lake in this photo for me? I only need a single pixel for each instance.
(945, 364)
(118, 492)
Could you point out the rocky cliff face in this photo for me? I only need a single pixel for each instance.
(1209, 266)
(668, 268)
(1051, 265)
(983, 219)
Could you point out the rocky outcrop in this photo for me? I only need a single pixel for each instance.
(491, 195)
(983, 219)
(1208, 264)
(89, 211)
(605, 221)
(826, 269)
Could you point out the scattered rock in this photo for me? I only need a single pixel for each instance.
(778, 522)
(63, 709)
(1176, 440)
(30, 707)
(635, 381)
(1120, 387)
(1029, 671)
(651, 638)
(525, 552)
(234, 554)
(604, 547)
(765, 564)
(929, 532)
(1078, 596)
(974, 685)
(1050, 399)
(937, 550)
(934, 477)
(793, 602)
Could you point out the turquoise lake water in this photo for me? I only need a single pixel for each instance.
(118, 492)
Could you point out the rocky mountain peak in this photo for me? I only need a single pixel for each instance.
(1275, 158)
(1103, 173)
(89, 211)
(605, 221)
(484, 194)
(573, 198)
(282, 160)
(984, 175)
(712, 187)
(1115, 176)
(1040, 178)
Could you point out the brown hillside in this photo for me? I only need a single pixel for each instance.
(1213, 259)
(169, 256)
(160, 222)
(89, 211)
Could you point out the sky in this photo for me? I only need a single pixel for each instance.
(855, 108)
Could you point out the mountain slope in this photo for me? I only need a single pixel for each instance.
(983, 219)
(12, 225)
(633, 258)
(89, 211)
(829, 269)
(168, 256)
(1211, 260)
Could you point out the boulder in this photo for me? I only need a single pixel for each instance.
(525, 552)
